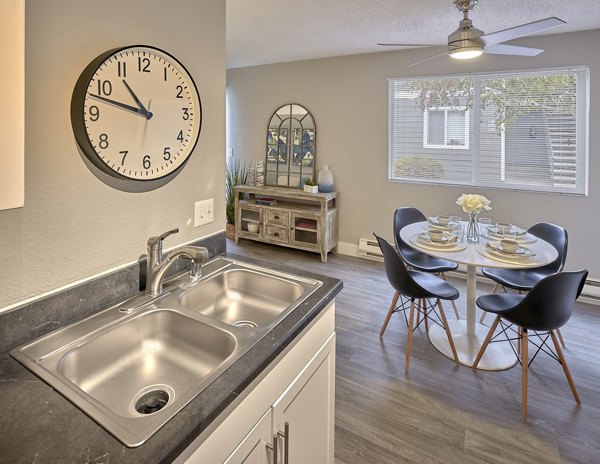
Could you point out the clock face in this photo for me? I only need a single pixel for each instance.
(136, 113)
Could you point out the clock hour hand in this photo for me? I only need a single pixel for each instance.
(144, 111)
(124, 106)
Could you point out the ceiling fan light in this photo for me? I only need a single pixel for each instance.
(466, 53)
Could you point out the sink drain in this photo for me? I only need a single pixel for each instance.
(152, 401)
(245, 324)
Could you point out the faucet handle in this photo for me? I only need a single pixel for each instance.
(153, 241)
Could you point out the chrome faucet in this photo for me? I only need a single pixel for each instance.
(156, 267)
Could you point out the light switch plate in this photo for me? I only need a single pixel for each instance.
(203, 212)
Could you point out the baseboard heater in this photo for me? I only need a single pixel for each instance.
(369, 248)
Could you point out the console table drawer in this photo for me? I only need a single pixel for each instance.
(277, 234)
(278, 218)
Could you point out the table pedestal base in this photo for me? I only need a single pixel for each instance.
(498, 356)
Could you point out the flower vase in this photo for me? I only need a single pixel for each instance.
(473, 228)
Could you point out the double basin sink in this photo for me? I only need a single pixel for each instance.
(133, 366)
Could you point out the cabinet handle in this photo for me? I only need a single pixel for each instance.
(273, 449)
(286, 443)
(276, 217)
(276, 234)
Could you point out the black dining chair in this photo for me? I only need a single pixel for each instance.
(416, 259)
(546, 308)
(420, 286)
(523, 280)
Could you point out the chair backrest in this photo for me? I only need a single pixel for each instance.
(558, 238)
(403, 217)
(549, 304)
(397, 272)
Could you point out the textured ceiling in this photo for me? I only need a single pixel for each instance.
(271, 31)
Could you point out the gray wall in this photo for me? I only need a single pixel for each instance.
(348, 99)
(73, 226)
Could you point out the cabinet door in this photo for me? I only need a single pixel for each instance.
(253, 449)
(307, 407)
(306, 231)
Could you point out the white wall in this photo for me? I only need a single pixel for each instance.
(348, 99)
(72, 225)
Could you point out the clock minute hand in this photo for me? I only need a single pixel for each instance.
(143, 109)
(124, 106)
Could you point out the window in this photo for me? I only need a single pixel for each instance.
(525, 130)
(446, 128)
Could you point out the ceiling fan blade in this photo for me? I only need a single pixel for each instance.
(521, 31)
(409, 45)
(427, 59)
(504, 49)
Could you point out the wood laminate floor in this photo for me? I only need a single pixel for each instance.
(441, 413)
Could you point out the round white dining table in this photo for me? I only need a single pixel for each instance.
(469, 335)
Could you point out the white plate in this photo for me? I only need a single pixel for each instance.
(456, 246)
(525, 238)
(507, 259)
(496, 247)
(448, 239)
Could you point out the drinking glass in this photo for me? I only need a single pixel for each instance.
(484, 225)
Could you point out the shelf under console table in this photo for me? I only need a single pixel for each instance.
(307, 221)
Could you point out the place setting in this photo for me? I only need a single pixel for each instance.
(505, 230)
(508, 251)
(438, 239)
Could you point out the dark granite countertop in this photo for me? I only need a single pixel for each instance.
(38, 425)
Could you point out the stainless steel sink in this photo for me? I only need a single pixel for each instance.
(243, 297)
(133, 366)
(160, 350)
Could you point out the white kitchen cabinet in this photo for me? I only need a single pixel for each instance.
(253, 449)
(12, 96)
(298, 390)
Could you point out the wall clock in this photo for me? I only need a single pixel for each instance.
(136, 113)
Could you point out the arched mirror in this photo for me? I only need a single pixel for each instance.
(291, 147)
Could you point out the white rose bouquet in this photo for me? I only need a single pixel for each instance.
(473, 203)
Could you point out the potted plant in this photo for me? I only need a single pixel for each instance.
(236, 173)
(310, 186)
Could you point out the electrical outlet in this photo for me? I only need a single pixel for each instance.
(203, 212)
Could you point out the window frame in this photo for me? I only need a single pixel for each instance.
(446, 109)
(397, 134)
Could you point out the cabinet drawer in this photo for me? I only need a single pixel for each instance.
(277, 234)
(278, 218)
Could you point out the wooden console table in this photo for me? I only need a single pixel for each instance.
(307, 221)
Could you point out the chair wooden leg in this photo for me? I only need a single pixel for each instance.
(411, 321)
(563, 363)
(524, 372)
(418, 313)
(443, 274)
(425, 317)
(519, 337)
(486, 342)
(447, 329)
(494, 290)
(389, 314)
(559, 335)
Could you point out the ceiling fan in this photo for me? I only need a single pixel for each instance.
(469, 42)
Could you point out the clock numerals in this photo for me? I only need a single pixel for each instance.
(128, 113)
(143, 64)
(122, 69)
(103, 143)
(104, 87)
(94, 113)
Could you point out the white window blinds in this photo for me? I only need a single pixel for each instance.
(525, 130)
